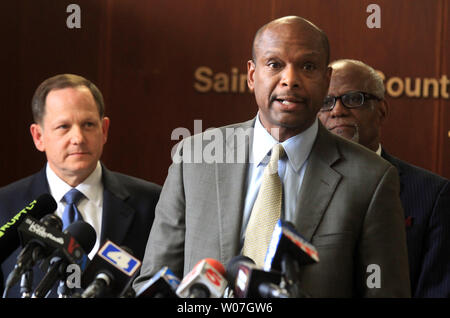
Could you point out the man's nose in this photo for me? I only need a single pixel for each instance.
(290, 77)
(339, 109)
(76, 135)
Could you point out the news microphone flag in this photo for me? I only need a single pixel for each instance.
(53, 240)
(162, 285)
(205, 274)
(286, 238)
(120, 266)
(9, 236)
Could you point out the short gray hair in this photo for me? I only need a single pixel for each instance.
(374, 77)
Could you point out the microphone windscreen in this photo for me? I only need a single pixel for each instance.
(9, 236)
(53, 221)
(233, 268)
(83, 233)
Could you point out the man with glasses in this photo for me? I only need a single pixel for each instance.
(355, 109)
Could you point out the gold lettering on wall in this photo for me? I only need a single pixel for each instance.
(206, 80)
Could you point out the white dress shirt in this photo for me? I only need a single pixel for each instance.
(90, 206)
(291, 168)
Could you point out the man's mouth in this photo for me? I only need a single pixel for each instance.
(342, 125)
(78, 153)
(290, 101)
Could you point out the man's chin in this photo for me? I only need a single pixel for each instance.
(347, 133)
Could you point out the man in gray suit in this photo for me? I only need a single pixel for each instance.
(340, 196)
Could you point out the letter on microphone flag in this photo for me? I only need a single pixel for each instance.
(119, 258)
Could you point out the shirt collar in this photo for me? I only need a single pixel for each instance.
(92, 187)
(379, 150)
(297, 147)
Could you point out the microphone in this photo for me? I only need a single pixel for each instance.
(110, 272)
(9, 237)
(78, 240)
(287, 251)
(286, 241)
(249, 281)
(162, 285)
(204, 281)
(36, 234)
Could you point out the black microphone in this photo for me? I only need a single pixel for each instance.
(79, 238)
(162, 285)
(206, 280)
(287, 251)
(9, 237)
(110, 273)
(35, 238)
(248, 280)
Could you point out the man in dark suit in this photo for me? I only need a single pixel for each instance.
(349, 212)
(356, 109)
(71, 128)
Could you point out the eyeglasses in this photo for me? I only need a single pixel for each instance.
(349, 100)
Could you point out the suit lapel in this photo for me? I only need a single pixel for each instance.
(230, 182)
(117, 215)
(39, 184)
(319, 184)
(392, 160)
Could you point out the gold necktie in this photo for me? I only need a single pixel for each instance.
(266, 211)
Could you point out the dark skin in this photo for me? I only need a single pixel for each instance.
(289, 76)
(366, 121)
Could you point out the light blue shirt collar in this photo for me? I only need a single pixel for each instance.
(297, 147)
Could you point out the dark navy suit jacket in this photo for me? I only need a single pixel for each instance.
(426, 203)
(128, 212)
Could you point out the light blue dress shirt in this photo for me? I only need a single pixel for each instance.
(291, 168)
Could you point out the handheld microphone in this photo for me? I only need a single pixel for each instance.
(162, 285)
(78, 240)
(287, 251)
(9, 237)
(248, 280)
(204, 281)
(110, 272)
(36, 234)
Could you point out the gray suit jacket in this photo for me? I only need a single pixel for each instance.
(349, 208)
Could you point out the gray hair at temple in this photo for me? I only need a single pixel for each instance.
(59, 82)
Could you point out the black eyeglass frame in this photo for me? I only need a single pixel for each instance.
(365, 97)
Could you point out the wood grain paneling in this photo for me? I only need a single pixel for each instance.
(143, 55)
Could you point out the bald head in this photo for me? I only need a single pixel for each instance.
(292, 22)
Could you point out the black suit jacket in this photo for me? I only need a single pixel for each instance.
(426, 202)
(128, 212)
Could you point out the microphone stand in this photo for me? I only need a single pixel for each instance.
(291, 271)
(26, 283)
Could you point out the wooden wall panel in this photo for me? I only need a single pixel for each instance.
(147, 56)
(36, 45)
(443, 162)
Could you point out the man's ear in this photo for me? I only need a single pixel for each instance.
(329, 73)
(250, 75)
(37, 133)
(105, 128)
(383, 111)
